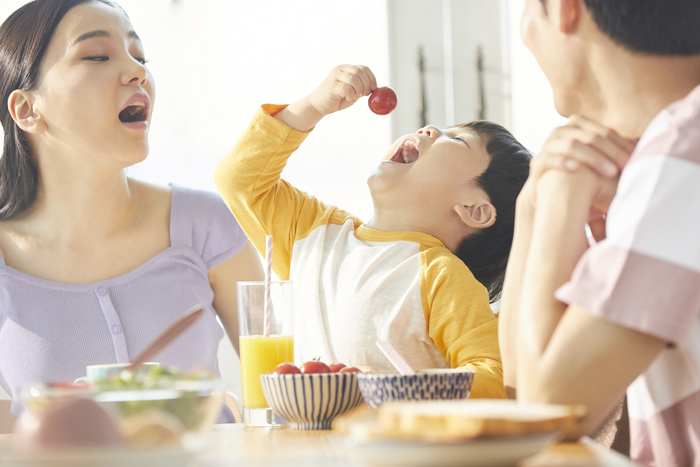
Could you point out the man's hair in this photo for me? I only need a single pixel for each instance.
(486, 252)
(656, 27)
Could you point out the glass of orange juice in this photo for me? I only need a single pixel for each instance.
(261, 353)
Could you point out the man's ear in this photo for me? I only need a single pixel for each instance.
(569, 15)
(21, 106)
(478, 216)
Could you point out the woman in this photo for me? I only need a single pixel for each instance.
(94, 264)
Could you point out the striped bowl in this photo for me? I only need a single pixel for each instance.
(311, 401)
(425, 385)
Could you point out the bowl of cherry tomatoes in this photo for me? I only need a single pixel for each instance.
(312, 395)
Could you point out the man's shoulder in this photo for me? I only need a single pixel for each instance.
(674, 132)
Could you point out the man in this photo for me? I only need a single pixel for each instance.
(580, 324)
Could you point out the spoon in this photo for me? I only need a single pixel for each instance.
(165, 338)
(399, 363)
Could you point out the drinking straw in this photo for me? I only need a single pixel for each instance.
(268, 277)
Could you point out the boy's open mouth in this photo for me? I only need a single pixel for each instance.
(407, 151)
(136, 112)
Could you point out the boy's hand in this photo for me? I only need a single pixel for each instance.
(342, 87)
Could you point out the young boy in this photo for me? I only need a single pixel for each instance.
(437, 193)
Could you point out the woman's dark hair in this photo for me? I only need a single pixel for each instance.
(657, 27)
(24, 37)
(486, 252)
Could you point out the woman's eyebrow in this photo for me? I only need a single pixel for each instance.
(103, 33)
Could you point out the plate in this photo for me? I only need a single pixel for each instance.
(173, 457)
(482, 452)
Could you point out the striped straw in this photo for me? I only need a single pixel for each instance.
(268, 278)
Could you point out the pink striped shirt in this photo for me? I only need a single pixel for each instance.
(646, 276)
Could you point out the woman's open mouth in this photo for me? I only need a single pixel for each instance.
(408, 151)
(136, 112)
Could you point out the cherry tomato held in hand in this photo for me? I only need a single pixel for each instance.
(382, 100)
(287, 369)
(314, 367)
(336, 367)
(350, 369)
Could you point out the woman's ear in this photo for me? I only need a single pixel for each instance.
(478, 216)
(21, 106)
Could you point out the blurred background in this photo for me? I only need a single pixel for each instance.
(215, 61)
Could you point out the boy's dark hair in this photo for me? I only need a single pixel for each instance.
(656, 27)
(486, 252)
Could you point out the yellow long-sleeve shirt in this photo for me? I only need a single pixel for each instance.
(355, 285)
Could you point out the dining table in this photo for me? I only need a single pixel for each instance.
(235, 445)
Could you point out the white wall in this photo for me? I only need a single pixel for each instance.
(461, 25)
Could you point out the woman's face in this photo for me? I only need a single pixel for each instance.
(95, 93)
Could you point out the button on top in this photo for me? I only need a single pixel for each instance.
(116, 329)
(102, 291)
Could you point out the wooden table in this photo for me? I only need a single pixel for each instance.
(237, 445)
(234, 445)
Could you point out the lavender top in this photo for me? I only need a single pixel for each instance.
(50, 331)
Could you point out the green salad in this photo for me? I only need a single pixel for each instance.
(167, 393)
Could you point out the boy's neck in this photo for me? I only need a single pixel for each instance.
(629, 90)
(391, 222)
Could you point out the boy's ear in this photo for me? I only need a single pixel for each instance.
(569, 15)
(478, 216)
(21, 106)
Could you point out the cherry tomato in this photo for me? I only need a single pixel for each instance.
(314, 367)
(336, 367)
(287, 369)
(350, 369)
(382, 100)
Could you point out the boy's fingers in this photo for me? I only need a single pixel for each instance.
(366, 86)
(345, 91)
(370, 77)
(353, 80)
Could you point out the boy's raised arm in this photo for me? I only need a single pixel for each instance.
(248, 177)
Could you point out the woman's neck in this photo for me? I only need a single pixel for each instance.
(75, 208)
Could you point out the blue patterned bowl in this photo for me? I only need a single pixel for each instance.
(423, 386)
(311, 401)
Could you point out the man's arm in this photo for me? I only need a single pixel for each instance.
(566, 355)
(512, 290)
(580, 144)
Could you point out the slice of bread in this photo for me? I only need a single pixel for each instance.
(458, 420)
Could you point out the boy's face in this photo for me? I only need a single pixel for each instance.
(430, 171)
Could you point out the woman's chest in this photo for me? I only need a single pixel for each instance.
(52, 332)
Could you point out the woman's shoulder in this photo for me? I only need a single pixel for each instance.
(200, 220)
